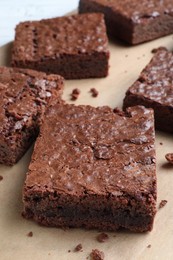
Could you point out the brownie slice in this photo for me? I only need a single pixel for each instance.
(133, 21)
(24, 96)
(75, 47)
(154, 88)
(88, 171)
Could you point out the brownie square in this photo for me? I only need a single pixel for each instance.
(75, 47)
(154, 88)
(88, 171)
(24, 96)
(133, 21)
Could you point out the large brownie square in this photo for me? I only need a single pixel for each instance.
(133, 21)
(75, 47)
(24, 97)
(93, 168)
(154, 88)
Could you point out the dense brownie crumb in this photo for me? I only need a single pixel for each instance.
(75, 94)
(78, 248)
(102, 237)
(97, 255)
(169, 157)
(94, 92)
(1, 178)
(149, 246)
(30, 234)
(69, 251)
(158, 49)
(161, 143)
(162, 203)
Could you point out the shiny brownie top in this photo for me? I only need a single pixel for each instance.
(86, 150)
(24, 95)
(68, 35)
(138, 11)
(156, 80)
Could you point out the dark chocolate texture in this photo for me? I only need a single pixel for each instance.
(154, 88)
(24, 96)
(133, 21)
(74, 46)
(88, 171)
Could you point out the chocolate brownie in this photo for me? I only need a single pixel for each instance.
(154, 89)
(24, 96)
(82, 175)
(75, 47)
(133, 21)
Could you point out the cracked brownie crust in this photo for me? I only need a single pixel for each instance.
(154, 88)
(88, 171)
(24, 96)
(133, 21)
(74, 46)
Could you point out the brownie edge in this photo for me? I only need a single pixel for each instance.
(84, 176)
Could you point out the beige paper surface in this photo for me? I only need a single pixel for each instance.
(51, 243)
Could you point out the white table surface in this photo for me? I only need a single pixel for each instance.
(14, 11)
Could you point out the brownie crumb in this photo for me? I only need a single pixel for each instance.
(169, 157)
(149, 246)
(75, 94)
(102, 237)
(69, 251)
(158, 49)
(78, 248)
(97, 255)
(94, 92)
(30, 234)
(162, 203)
(118, 111)
(1, 178)
(161, 143)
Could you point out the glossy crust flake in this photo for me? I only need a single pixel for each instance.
(82, 175)
(73, 46)
(24, 96)
(133, 21)
(154, 88)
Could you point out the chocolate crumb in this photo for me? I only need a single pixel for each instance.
(78, 248)
(162, 203)
(1, 178)
(102, 237)
(30, 234)
(97, 255)
(76, 91)
(158, 49)
(169, 157)
(161, 143)
(149, 246)
(69, 251)
(75, 94)
(94, 92)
